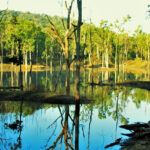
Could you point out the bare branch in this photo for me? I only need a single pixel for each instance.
(55, 32)
(54, 122)
(56, 141)
(71, 5)
(74, 30)
(71, 119)
(51, 136)
(69, 13)
(63, 23)
(66, 5)
(73, 125)
(61, 115)
(69, 145)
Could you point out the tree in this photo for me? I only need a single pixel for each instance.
(77, 95)
(64, 41)
(2, 31)
(119, 27)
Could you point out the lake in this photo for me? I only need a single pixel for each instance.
(38, 126)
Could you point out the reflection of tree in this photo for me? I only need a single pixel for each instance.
(68, 135)
(90, 121)
(64, 133)
(117, 116)
(1, 78)
(121, 98)
(16, 126)
(77, 111)
(106, 99)
(139, 95)
(14, 107)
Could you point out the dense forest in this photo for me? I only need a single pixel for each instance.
(106, 45)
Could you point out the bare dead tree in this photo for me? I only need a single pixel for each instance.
(69, 30)
(65, 41)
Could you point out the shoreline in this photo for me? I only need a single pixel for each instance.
(131, 66)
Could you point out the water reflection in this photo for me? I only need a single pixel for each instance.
(57, 79)
(42, 126)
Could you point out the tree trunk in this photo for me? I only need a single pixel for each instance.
(20, 62)
(16, 78)
(89, 128)
(116, 56)
(105, 76)
(98, 55)
(66, 126)
(46, 83)
(67, 52)
(25, 78)
(136, 53)
(46, 59)
(77, 112)
(26, 60)
(12, 75)
(91, 46)
(30, 60)
(37, 53)
(12, 79)
(90, 62)
(12, 51)
(30, 81)
(1, 78)
(148, 60)
(85, 39)
(77, 96)
(106, 58)
(123, 64)
(1, 42)
(68, 81)
(118, 63)
(102, 60)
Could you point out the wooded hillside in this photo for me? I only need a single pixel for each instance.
(106, 45)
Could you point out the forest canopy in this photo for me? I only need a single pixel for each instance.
(107, 44)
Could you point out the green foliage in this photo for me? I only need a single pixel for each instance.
(104, 44)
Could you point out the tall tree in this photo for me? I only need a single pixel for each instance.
(77, 96)
(64, 41)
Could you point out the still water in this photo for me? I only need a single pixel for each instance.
(47, 126)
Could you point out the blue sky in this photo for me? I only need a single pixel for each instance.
(95, 9)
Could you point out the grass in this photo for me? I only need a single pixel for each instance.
(9, 67)
(137, 66)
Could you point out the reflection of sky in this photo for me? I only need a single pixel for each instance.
(102, 132)
(135, 115)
